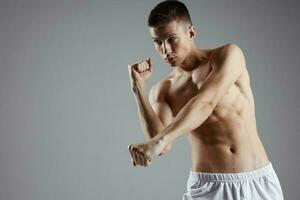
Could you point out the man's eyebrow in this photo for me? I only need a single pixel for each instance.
(167, 36)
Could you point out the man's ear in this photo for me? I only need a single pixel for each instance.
(192, 32)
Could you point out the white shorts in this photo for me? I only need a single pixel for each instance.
(259, 184)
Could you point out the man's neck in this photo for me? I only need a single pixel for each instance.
(192, 62)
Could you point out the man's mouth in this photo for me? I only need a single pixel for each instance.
(170, 59)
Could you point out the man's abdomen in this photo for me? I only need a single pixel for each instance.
(226, 144)
(225, 159)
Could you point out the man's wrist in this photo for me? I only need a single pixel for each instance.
(139, 86)
(166, 136)
(161, 138)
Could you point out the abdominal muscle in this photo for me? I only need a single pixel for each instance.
(226, 143)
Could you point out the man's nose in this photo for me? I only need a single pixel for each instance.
(166, 48)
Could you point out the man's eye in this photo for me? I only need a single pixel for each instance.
(172, 39)
(157, 42)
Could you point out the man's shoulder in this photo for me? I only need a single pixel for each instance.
(217, 53)
(229, 50)
(160, 89)
(228, 45)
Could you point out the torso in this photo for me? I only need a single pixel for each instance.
(228, 140)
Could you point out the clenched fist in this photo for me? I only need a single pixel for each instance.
(142, 154)
(140, 72)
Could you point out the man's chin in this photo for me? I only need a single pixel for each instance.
(172, 64)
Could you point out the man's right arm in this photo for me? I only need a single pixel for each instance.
(154, 112)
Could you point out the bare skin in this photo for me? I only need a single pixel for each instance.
(217, 115)
(228, 140)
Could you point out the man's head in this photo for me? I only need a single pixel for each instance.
(172, 31)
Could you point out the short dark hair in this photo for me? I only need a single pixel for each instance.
(168, 11)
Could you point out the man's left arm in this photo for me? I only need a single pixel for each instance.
(227, 66)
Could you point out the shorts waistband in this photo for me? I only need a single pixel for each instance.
(267, 169)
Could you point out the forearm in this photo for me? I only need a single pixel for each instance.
(149, 121)
(192, 115)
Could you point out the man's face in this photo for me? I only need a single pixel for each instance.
(172, 42)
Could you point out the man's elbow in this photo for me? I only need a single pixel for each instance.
(166, 149)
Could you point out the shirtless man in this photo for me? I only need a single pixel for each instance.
(208, 98)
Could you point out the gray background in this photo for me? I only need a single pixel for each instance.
(67, 113)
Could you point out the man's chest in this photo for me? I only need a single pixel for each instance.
(183, 89)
